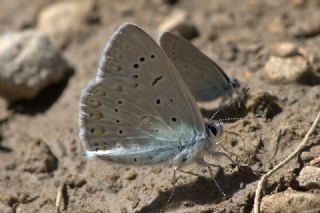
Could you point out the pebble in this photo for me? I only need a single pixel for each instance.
(307, 28)
(315, 161)
(277, 25)
(289, 70)
(263, 103)
(130, 175)
(186, 30)
(311, 154)
(38, 158)
(28, 63)
(170, 2)
(5, 208)
(290, 201)
(8, 199)
(221, 21)
(284, 49)
(64, 20)
(177, 23)
(310, 177)
(76, 181)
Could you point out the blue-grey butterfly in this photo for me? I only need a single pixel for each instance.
(206, 80)
(139, 111)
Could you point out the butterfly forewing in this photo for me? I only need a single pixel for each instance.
(138, 105)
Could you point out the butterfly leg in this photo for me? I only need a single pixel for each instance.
(189, 173)
(217, 154)
(173, 184)
(207, 164)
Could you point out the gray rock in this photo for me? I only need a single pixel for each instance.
(310, 177)
(284, 49)
(186, 30)
(130, 175)
(63, 20)
(291, 201)
(289, 70)
(222, 21)
(38, 158)
(28, 63)
(5, 208)
(306, 28)
(277, 25)
(177, 22)
(263, 103)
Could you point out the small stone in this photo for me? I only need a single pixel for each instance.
(186, 30)
(77, 181)
(263, 103)
(130, 175)
(310, 177)
(228, 51)
(221, 21)
(310, 154)
(315, 161)
(289, 70)
(38, 158)
(298, 3)
(307, 28)
(170, 2)
(284, 49)
(63, 20)
(8, 199)
(112, 178)
(6, 209)
(156, 170)
(177, 23)
(28, 64)
(290, 201)
(277, 25)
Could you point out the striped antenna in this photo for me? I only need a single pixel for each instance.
(229, 103)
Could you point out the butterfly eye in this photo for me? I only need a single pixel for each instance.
(213, 129)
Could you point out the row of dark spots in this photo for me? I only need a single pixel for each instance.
(136, 66)
(158, 101)
(142, 59)
(173, 51)
(96, 145)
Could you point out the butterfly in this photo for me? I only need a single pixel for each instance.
(139, 111)
(206, 80)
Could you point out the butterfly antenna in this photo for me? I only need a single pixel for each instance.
(229, 103)
(257, 116)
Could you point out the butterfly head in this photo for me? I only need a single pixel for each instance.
(235, 83)
(215, 129)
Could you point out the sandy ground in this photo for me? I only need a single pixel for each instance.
(41, 153)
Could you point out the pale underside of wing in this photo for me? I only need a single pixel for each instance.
(138, 109)
(206, 80)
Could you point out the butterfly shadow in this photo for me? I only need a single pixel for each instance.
(202, 191)
(45, 99)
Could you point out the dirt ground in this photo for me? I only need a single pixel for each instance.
(41, 154)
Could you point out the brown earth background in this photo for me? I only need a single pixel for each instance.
(41, 154)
